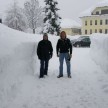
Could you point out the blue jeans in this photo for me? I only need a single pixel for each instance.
(43, 67)
(63, 56)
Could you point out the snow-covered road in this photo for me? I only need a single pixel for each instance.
(88, 87)
(20, 86)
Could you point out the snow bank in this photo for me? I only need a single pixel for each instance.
(16, 45)
(19, 66)
(19, 70)
(18, 60)
(99, 50)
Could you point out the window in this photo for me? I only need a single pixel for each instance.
(75, 30)
(106, 31)
(95, 30)
(86, 40)
(106, 21)
(97, 13)
(100, 31)
(85, 31)
(90, 31)
(100, 22)
(90, 22)
(104, 11)
(95, 22)
(85, 22)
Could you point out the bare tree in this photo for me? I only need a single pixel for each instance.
(33, 13)
(15, 18)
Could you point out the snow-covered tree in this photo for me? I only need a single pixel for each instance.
(15, 17)
(52, 19)
(34, 14)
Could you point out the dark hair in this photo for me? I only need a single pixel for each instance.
(62, 32)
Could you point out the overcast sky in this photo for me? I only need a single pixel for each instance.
(68, 8)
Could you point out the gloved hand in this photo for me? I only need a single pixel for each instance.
(70, 56)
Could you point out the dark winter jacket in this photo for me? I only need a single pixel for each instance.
(44, 50)
(64, 46)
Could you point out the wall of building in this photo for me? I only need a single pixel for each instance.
(70, 31)
(67, 30)
(93, 27)
(98, 9)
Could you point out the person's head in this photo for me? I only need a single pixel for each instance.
(45, 36)
(63, 35)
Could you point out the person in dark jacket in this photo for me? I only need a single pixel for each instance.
(64, 51)
(44, 52)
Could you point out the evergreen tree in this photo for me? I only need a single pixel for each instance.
(52, 19)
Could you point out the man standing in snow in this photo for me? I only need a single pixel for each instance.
(44, 52)
(64, 51)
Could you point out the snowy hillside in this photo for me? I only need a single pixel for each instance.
(20, 86)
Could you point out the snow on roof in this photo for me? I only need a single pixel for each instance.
(102, 3)
(89, 11)
(69, 23)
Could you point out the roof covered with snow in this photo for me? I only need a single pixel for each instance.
(69, 23)
(89, 11)
(102, 3)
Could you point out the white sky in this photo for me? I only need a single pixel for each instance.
(68, 8)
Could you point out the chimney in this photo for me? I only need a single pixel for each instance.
(0, 20)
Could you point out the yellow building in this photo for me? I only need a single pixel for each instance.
(71, 27)
(95, 20)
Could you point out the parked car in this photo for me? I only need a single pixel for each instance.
(73, 41)
(83, 41)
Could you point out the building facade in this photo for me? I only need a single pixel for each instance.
(96, 22)
(72, 31)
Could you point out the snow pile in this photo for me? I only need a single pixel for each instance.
(19, 68)
(99, 50)
(69, 23)
(20, 86)
(18, 64)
